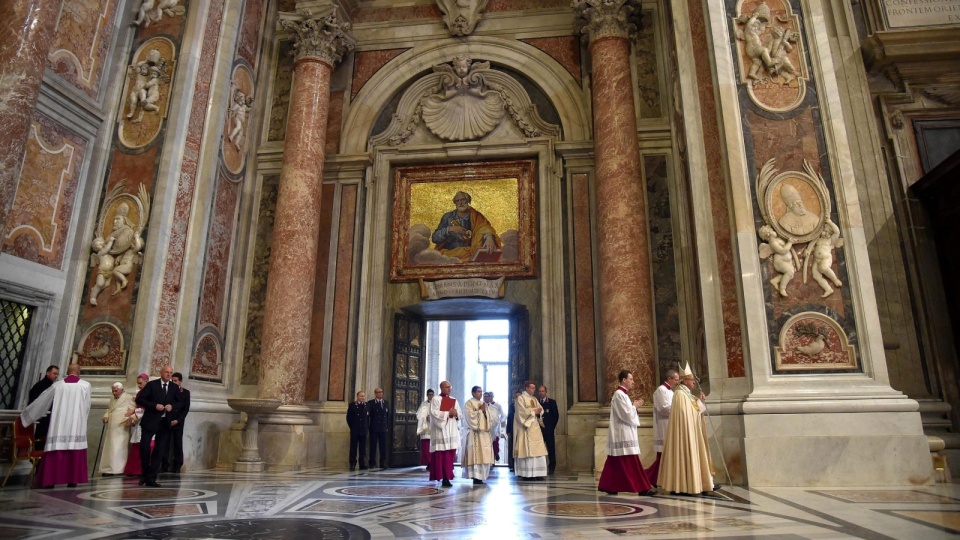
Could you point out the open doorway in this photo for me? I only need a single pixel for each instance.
(467, 341)
(468, 354)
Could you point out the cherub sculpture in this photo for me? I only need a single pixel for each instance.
(239, 111)
(152, 11)
(821, 253)
(767, 51)
(148, 74)
(785, 260)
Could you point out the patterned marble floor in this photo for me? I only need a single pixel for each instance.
(401, 503)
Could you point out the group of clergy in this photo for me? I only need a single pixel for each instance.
(683, 464)
(446, 428)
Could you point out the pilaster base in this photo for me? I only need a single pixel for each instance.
(248, 466)
(836, 448)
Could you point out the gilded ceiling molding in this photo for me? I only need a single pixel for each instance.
(598, 19)
(324, 38)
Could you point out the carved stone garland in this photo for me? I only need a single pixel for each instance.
(463, 101)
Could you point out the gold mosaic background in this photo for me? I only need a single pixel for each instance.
(497, 200)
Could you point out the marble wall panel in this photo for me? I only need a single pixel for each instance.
(250, 368)
(648, 79)
(583, 248)
(334, 123)
(168, 24)
(282, 81)
(38, 223)
(223, 219)
(565, 50)
(79, 50)
(366, 63)
(341, 302)
(396, 14)
(317, 324)
(173, 271)
(248, 43)
(666, 304)
(720, 205)
(287, 5)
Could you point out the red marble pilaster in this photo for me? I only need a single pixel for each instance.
(288, 308)
(27, 28)
(623, 253)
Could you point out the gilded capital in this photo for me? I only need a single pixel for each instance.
(607, 18)
(324, 38)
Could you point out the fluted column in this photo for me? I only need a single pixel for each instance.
(319, 44)
(623, 247)
(27, 28)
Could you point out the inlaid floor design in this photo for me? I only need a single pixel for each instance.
(402, 503)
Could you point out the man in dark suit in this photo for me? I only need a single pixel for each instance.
(160, 400)
(176, 429)
(40, 432)
(379, 421)
(513, 410)
(359, 423)
(550, 417)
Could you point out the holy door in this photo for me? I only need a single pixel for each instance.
(408, 366)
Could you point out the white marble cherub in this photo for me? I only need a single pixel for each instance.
(239, 111)
(821, 253)
(152, 11)
(785, 260)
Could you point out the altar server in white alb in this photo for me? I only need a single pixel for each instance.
(423, 430)
(65, 453)
(622, 471)
(445, 417)
(662, 399)
(480, 420)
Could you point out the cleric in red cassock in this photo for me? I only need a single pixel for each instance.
(623, 471)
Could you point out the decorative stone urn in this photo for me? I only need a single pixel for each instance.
(250, 460)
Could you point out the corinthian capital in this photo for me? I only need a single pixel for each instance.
(324, 38)
(607, 18)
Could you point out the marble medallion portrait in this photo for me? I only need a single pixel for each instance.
(465, 220)
(795, 204)
(770, 56)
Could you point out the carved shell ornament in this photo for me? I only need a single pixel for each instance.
(463, 108)
(462, 101)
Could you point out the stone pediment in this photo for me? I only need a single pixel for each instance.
(463, 101)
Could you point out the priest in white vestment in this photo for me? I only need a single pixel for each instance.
(662, 399)
(115, 440)
(480, 420)
(65, 452)
(529, 450)
(497, 430)
(685, 467)
(622, 471)
(445, 417)
(423, 430)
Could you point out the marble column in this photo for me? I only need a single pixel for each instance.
(623, 252)
(288, 309)
(27, 27)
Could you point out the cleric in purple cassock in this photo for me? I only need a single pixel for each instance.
(623, 471)
(65, 453)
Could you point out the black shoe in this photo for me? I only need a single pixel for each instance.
(142, 481)
(648, 493)
(382, 466)
(611, 492)
(153, 483)
(477, 481)
(353, 467)
(446, 483)
(71, 485)
(362, 468)
(716, 487)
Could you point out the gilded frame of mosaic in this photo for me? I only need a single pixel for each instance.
(502, 212)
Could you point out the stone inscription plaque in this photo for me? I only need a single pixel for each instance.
(913, 13)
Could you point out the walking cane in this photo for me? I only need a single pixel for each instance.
(96, 462)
